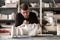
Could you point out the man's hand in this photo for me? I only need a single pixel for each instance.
(24, 23)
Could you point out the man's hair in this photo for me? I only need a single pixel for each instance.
(24, 6)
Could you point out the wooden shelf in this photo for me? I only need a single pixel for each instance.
(34, 7)
(7, 21)
(30, 1)
(51, 9)
(48, 1)
(6, 26)
(7, 7)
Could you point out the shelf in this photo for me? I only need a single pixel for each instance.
(7, 7)
(35, 8)
(51, 9)
(8, 10)
(29, 1)
(2, 2)
(7, 21)
(47, 1)
(6, 26)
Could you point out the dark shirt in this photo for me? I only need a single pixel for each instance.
(32, 19)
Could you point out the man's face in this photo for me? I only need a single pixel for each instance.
(25, 13)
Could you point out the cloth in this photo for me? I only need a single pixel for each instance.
(29, 29)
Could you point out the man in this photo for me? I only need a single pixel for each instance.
(25, 17)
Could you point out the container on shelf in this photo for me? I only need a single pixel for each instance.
(4, 17)
(0, 16)
(45, 5)
(12, 16)
(34, 4)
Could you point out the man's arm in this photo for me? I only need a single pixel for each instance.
(36, 20)
(17, 20)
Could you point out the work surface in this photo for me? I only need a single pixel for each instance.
(32, 38)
